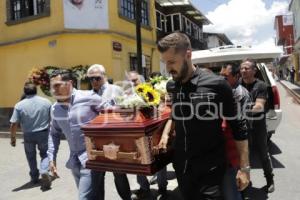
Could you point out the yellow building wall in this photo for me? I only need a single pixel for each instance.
(120, 24)
(127, 29)
(129, 46)
(67, 49)
(156, 61)
(55, 23)
(70, 50)
(41, 26)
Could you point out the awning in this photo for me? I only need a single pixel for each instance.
(187, 7)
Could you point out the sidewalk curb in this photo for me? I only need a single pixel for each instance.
(294, 94)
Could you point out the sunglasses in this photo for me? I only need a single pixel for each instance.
(96, 78)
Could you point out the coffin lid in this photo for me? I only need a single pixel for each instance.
(126, 119)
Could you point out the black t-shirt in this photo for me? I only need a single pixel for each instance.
(198, 109)
(257, 89)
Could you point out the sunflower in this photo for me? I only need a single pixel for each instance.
(150, 95)
(140, 88)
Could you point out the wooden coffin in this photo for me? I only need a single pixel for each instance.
(123, 141)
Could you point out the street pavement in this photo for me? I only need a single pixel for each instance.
(14, 178)
(293, 89)
(284, 151)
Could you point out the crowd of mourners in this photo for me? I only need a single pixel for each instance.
(216, 122)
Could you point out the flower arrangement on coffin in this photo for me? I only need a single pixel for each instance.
(148, 93)
(160, 84)
(145, 96)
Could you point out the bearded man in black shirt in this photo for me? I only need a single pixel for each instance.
(259, 94)
(200, 100)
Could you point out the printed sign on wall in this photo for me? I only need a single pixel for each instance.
(86, 14)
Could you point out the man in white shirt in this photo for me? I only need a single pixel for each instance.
(108, 92)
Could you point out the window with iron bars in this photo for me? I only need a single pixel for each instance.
(133, 65)
(127, 9)
(24, 8)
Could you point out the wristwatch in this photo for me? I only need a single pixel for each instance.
(246, 169)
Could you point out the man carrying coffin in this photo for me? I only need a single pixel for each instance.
(200, 100)
(73, 109)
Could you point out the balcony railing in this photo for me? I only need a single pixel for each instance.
(178, 22)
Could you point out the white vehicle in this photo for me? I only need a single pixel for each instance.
(213, 59)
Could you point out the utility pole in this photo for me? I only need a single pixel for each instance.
(139, 52)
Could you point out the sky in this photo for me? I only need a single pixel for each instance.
(245, 22)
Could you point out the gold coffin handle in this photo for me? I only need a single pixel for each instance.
(120, 155)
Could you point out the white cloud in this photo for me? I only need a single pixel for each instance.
(266, 43)
(246, 22)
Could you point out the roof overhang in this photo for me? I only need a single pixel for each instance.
(187, 7)
(173, 2)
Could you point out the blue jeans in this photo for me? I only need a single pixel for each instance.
(31, 140)
(121, 183)
(161, 180)
(230, 189)
(83, 181)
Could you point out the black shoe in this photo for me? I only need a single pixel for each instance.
(34, 181)
(46, 182)
(270, 188)
(162, 194)
(153, 180)
(270, 184)
(141, 194)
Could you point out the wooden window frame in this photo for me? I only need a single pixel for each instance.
(35, 16)
(130, 16)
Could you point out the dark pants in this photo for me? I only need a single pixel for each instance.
(161, 180)
(31, 141)
(258, 138)
(201, 186)
(292, 79)
(121, 182)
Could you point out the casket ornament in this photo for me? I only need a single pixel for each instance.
(111, 151)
